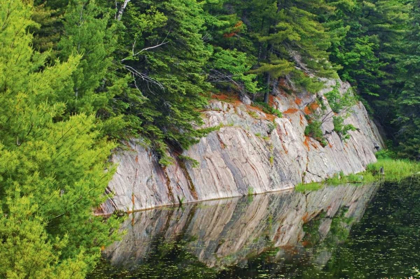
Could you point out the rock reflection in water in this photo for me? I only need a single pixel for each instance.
(229, 232)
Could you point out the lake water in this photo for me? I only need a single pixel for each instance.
(369, 231)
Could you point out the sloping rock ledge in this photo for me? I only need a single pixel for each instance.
(251, 153)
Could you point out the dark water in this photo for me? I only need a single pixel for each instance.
(369, 231)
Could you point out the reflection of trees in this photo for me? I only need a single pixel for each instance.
(386, 242)
(167, 259)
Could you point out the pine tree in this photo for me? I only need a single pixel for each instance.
(370, 46)
(231, 57)
(86, 32)
(231, 67)
(167, 60)
(408, 120)
(52, 167)
(290, 40)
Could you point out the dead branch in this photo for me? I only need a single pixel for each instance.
(164, 42)
(144, 77)
(216, 76)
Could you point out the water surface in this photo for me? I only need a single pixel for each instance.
(348, 231)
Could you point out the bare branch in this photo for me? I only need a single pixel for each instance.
(151, 47)
(144, 49)
(164, 42)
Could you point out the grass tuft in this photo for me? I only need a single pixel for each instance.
(301, 187)
(393, 170)
(384, 169)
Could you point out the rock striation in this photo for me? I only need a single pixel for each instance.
(252, 152)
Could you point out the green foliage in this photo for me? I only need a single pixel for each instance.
(354, 178)
(301, 187)
(152, 80)
(339, 102)
(74, 74)
(194, 163)
(253, 114)
(53, 167)
(341, 129)
(268, 109)
(28, 251)
(167, 68)
(386, 154)
(304, 81)
(231, 67)
(362, 63)
(271, 127)
(370, 34)
(394, 169)
(86, 33)
(47, 32)
(313, 129)
(335, 180)
(371, 45)
(408, 112)
(289, 37)
(341, 105)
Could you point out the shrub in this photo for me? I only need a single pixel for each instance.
(385, 154)
(341, 129)
(314, 130)
(268, 109)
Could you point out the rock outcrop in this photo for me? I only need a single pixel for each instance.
(252, 152)
(227, 232)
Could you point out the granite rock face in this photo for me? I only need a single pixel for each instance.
(253, 152)
(226, 232)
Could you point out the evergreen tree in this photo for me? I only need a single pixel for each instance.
(290, 40)
(231, 67)
(47, 33)
(51, 167)
(86, 32)
(232, 57)
(370, 46)
(408, 120)
(167, 60)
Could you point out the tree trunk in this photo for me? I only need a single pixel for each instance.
(121, 10)
(267, 93)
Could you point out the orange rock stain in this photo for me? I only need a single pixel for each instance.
(306, 142)
(311, 108)
(291, 110)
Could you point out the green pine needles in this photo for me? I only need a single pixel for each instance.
(53, 167)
